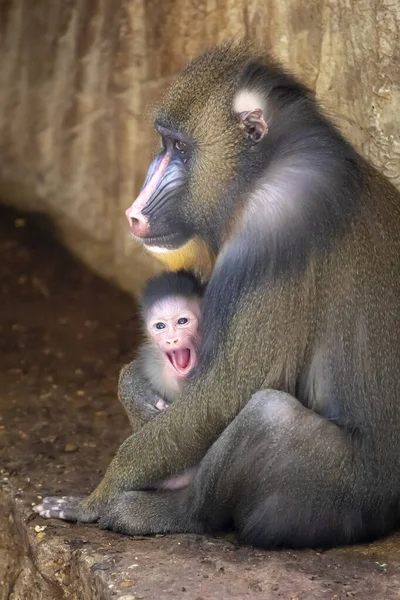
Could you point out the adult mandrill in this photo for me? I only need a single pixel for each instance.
(294, 408)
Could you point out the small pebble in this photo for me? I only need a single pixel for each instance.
(40, 286)
(70, 447)
(105, 566)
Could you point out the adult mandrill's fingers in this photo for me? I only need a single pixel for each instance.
(67, 508)
(58, 508)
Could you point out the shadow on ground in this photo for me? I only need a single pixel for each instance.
(64, 334)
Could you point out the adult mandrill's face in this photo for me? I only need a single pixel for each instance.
(208, 146)
(156, 218)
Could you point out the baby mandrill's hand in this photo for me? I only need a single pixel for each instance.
(137, 397)
(161, 404)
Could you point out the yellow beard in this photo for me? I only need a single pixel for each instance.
(194, 255)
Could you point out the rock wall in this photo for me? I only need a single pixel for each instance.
(77, 77)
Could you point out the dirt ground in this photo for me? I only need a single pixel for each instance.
(64, 334)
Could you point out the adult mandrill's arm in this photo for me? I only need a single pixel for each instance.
(222, 384)
(179, 437)
(175, 440)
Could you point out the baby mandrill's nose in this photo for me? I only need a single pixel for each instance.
(172, 342)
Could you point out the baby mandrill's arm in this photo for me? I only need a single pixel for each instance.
(135, 393)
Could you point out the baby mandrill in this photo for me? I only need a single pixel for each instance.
(171, 305)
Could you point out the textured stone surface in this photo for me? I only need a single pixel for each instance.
(76, 80)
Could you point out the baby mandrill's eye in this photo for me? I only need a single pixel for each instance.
(182, 321)
(160, 325)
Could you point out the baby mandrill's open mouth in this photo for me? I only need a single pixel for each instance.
(182, 360)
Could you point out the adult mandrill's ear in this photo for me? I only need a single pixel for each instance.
(248, 104)
(254, 125)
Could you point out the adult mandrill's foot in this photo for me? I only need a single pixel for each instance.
(68, 508)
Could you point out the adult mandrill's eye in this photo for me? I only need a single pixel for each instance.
(180, 146)
(160, 325)
(182, 321)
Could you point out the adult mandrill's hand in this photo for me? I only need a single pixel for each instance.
(84, 509)
(68, 508)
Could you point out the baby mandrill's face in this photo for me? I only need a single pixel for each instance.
(173, 324)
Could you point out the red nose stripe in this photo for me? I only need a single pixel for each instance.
(147, 192)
